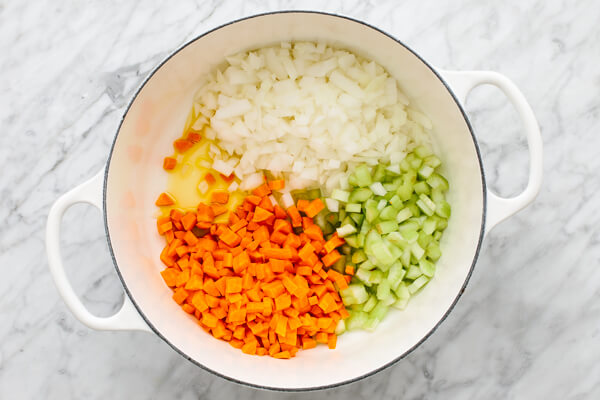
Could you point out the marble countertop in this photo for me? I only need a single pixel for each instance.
(528, 325)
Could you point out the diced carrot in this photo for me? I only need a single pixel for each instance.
(180, 295)
(219, 209)
(314, 232)
(314, 208)
(182, 145)
(295, 216)
(277, 184)
(260, 214)
(262, 191)
(219, 196)
(194, 137)
(169, 163)
(279, 212)
(165, 199)
(331, 258)
(209, 178)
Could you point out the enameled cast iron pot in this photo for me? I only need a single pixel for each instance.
(125, 190)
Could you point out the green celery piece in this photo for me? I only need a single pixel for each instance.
(390, 187)
(341, 214)
(357, 320)
(403, 215)
(404, 165)
(422, 151)
(437, 195)
(340, 195)
(352, 180)
(443, 209)
(340, 264)
(397, 240)
(417, 251)
(385, 227)
(363, 175)
(358, 256)
(433, 251)
(332, 218)
(424, 239)
(383, 290)
(427, 201)
(388, 213)
(346, 230)
(340, 327)
(361, 238)
(418, 284)
(410, 176)
(427, 267)
(404, 191)
(370, 304)
(328, 229)
(360, 195)
(379, 173)
(425, 172)
(429, 226)
(424, 207)
(395, 250)
(376, 316)
(416, 163)
(421, 188)
(432, 161)
(358, 218)
(416, 211)
(441, 223)
(356, 292)
(437, 235)
(395, 275)
(376, 277)
(382, 253)
(403, 296)
(437, 181)
(371, 211)
(367, 265)
(352, 241)
(413, 272)
(348, 221)
(346, 249)
(353, 208)
(395, 201)
(364, 276)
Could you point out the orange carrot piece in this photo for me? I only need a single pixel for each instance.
(332, 340)
(330, 259)
(314, 208)
(182, 145)
(260, 214)
(277, 184)
(219, 196)
(165, 199)
(295, 216)
(180, 295)
(169, 163)
(219, 209)
(302, 204)
(262, 191)
(194, 137)
(279, 212)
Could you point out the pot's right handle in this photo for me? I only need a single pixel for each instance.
(127, 318)
(500, 208)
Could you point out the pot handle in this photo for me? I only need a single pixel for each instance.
(127, 318)
(500, 208)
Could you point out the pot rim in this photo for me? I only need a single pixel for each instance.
(336, 384)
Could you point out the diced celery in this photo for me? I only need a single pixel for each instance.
(376, 316)
(340, 195)
(416, 211)
(352, 180)
(413, 272)
(358, 256)
(432, 161)
(429, 226)
(377, 188)
(393, 170)
(370, 304)
(404, 191)
(443, 209)
(417, 284)
(358, 218)
(425, 199)
(382, 253)
(437, 195)
(357, 320)
(355, 292)
(417, 250)
(416, 163)
(427, 267)
(388, 213)
(363, 275)
(397, 240)
(433, 251)
(367, 265)
(361, 238)
(381, 204)
(385, 227)
(436, 181)
(340, 327)
(424, 239)
(403, 215)
(396, 202)
(437, 235)
(390, 187)
(403, 296)
(360, 195)
(348, 221)
(332, 218)
(442, 223)
(376, 277)
(422, 151)
(353, 208)
(405, 257)
(341, 214)
(371, 211)
(352, 241)
(395, 275)
(425, 171)
(421, 188)
(423, 206)
(363, 175)
(346, 230)
(379, 173)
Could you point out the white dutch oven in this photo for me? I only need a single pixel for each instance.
(125, 190)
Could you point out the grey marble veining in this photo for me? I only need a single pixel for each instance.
(528, 325)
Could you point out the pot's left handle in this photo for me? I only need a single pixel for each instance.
(127, 318)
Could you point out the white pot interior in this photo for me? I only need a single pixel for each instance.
(135, 177)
